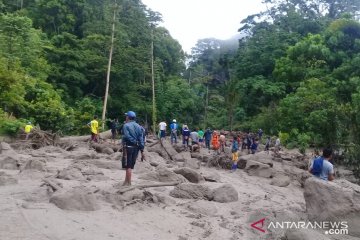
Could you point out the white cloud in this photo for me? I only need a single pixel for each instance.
(190, 20)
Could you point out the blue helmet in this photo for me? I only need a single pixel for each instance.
(130, 114)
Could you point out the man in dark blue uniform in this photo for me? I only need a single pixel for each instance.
(133, 141)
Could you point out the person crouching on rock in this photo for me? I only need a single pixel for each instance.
(133, 141)
(321, 166)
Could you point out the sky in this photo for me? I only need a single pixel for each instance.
(191, 20)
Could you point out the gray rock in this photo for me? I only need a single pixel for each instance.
(8, 162)
(261, 157)
(254, 168)
(191, 191)
(75, 199)
(333, 201)
(159, 150)
(192, 163)
(162, 174)
(168, 148)
(108, 150)
(182, 157)
(280, 180)
(225, 193)
(190, 174)
(70, 173)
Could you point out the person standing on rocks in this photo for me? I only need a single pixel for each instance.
(207, 136)
(321, 166)
(201, 137)
(254, 146)
(215, 142)
(235, 154)
(114, 124)
(173, 131)
(222, 140)
(267, 144)
(28, 128)
(194, 140)
(277, 145)
(94, 127)
(185, 136)
(133, 141)
(162, 128)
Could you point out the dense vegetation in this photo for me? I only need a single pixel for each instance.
(295, 69)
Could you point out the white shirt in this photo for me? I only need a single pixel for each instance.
(162, 126)
(277, 143)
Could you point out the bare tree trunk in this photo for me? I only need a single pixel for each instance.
(109, 67)
(206, 105)
(153, 83)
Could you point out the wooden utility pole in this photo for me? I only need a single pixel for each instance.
(153, 82)
(206, 105)
(109, 66)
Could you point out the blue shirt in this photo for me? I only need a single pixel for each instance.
(133, 134)
(186, 132)
(235, 146)
(326, 169)
(207, 135)
(173, 126)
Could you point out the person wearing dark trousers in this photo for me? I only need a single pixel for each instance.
(133, 141)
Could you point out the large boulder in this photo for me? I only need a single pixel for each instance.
(162, 174)
(191, 191)
(190, 174)
(280, 180)
(336, 201)
(182, 157)
(258, 169)
(75, 199)
(170, 150)
(157, 148)
(192, 163)
(225, 193)
(262, 157)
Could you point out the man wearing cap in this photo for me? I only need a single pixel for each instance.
(173, 127)
(133, 141)
(28, 129)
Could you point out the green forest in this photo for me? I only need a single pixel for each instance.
(295, 72)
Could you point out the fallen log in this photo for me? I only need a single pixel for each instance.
(124, 189)
(152, 144)
(103, 135)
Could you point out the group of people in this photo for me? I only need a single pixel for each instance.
(193, 139)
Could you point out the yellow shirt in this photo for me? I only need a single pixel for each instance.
(94, 125)
(28, 128)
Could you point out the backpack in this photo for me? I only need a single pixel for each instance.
(317, 166)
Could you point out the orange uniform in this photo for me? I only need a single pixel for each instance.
(215, 141)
